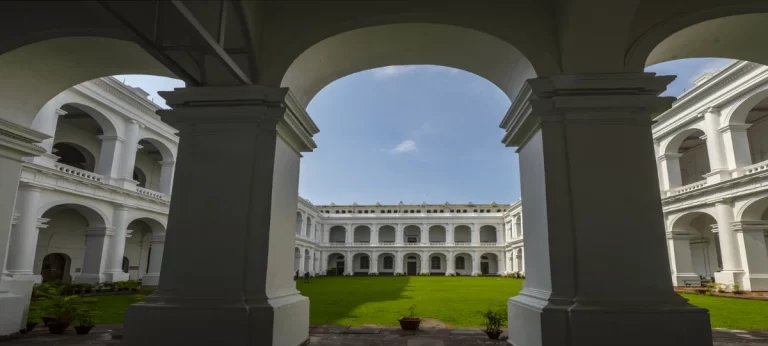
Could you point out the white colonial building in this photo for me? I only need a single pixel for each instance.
(712, 151)
(434, 239)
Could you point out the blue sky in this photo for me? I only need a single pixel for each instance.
(416, 134)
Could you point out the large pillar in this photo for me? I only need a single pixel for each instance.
(349, 236)
(239, 281)
(16, 143)
(374, 265)
(302, 269)
(375, 234)
(109, 158)
(681, 261)
(718, 163)
(349, 266)
(581, 284)
(399, 234)
(733, 271)
(21, 249)
(502, 266)
(449, 268)
(399, 262)
(475, 233)
(157, 245)
(476, 263)
(449, 239)
(48, 119)
(424, 262)
(128, 155)
(754, 258)
(114, 269)
(424, 234)
(736, 144)
(97, 240)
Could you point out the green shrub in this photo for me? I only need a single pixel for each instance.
(494, 319)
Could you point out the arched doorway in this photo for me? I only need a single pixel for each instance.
(56, 268)
(412, 264)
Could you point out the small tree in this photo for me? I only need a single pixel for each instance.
(494, 320)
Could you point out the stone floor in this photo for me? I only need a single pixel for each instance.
(357, 336)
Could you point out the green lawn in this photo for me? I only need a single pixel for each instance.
(453, 300)
(383, 300)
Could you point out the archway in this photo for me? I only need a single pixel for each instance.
(296, 261)
(694, 249)
(438, 263)
(307, 261)
(337, 234)
(488, 234)
(411, 264)
(362, 234)
(437, 234)
(299, 218)
(361, 264)
(412, 234)
(687, 160)
(387, 234)
(386, 264)
(337, 264)
(462, 263)
(156, 160)
(56, 268)
(74, 155)
(489, 264)
(462, 234)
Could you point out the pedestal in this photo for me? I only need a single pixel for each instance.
(232, 286)
(598, 270)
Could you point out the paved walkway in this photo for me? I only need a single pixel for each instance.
(357, 336)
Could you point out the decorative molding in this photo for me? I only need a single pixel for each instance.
(17, 141)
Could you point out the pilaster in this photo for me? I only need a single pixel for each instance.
(754, 257)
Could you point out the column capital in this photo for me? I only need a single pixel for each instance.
(111, 138)
(589, 98)
(99, 231)
(749, 226)
(273, 108)
(41, 222)
(17, 141)
(678, 235)
(59, 112)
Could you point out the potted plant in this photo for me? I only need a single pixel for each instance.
(84, 320)
(410, 322)
(736, 289)
(60, 310)
(494, 321)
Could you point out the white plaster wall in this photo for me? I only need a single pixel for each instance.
(65, 234)
(381, 263)
(442, 269)
(758, 141)
(356, 264)
(151, 169)
(467, 265)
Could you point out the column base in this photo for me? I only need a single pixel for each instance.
(450, 272)
(117, 276)
(92, 279)
(755, 282)
(13, 308)
(717, 175)
(28, 277)
(150, 280)
(729, 277)
(680, 279)
(165, 321)
(538, 321)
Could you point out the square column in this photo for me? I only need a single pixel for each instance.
(669, 164)
(399, 262)
(754, 257)
(21, 249)
(349, 236)
(449, 264)
(449, 239)
(374, 263)
(157, 245)
(587, 167)
(476, 264)
(733, 271)
(425, 267)
(424, 235)
(166, 175)
(681, 261)
(715, 148)
(349, 264)
(399, 234)
(114, 268)
(237, 282)
(16, 144)
(736, 144)
(475, 234)
(375, 234)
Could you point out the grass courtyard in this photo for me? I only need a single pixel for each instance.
(452, 300)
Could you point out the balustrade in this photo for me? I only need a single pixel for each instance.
(687, 188)
(77, 172)
(150, 193)
(756, 168)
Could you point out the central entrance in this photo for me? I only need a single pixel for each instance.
(411, 266)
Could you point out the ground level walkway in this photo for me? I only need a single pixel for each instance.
(357, 336)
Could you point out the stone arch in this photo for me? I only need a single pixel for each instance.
(753, 210)
(438, 263)
(56, 267)
(387, 234)
(462, 234)
(75, 155)
(93, 214)
(299, 218)
(78, 59)
(412, 234)
(105, 122)
(308, 227)
(163, 149)
(437, 234)
(336, 263)
(307, 261)
(387, 263)
(692, 36)
(361, 263)
(672, 145)
(362, 234)
(349, 51)
(409, 268)
(462, 263)
(488, 234)
(695, 249)
(489, 263)
(337, 234)
(693, 157)
(296, 260)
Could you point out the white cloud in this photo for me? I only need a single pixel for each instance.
(404, 147)
(392, 71)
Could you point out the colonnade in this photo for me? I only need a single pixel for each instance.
(477, 233)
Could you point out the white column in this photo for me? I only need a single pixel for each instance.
(48, 126)
(399, 234)
(681, 261)
(736, 145)
(475, 235)
(349, 237)
(449, 239)
(166, 176)
(374, 263)
(21, 250)
(572, 208)
(670, 171)
(729, 245)
(399, 261)
(424, 234)
(424, 262)
(301, 262)
(754, 257)
(109, 158)
(476, 263)
(157, 244)
(116, 247)
(97, 241)
(128, 155)
(499, 235)
(350, 263)
(245, 275)
(502, 266)
(715, 148)
(449, 264)
(375, 234)
(326, 234)
(323, 262)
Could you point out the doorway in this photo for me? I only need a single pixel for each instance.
(485, 266)
(55, 268)
(411, 266)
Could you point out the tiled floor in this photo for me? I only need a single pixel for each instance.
(358, 336)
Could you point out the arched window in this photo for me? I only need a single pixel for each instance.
(436, 262)
(73, 155)
(365, 262)
(389, 262)
(460, 263)
(411, 257)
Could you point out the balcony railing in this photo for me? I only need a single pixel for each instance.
(687, 188)
(756, 168)
(489, 243)
(150, 193)
(77, 172)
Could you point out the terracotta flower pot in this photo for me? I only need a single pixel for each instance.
(493, 334)
(83, 330)
(410, 323)
(57, 327)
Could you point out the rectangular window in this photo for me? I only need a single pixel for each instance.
(365, 262)
(436, 263)
(388, 263)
